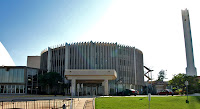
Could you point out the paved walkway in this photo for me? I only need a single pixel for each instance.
(78, 102)
(85, 101)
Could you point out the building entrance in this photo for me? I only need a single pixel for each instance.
(89, 89)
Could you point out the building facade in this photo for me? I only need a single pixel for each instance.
(127, 61)
(33, 62)
(19, 80)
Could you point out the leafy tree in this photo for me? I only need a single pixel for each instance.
(161, 75)
(178, 82)
(50, 79)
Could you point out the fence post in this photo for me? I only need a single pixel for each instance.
(26, 104)
(34, 104)
(2, 104)
(49, 104)
(54, 103)
(13, 103)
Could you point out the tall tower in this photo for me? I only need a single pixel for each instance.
(190, 69)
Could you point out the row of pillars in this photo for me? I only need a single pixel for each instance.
(104, 83)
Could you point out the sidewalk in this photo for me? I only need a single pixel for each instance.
(82, 102)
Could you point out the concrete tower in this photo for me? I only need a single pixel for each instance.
(190, 69)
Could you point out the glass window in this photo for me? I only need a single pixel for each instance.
(21, 89)
(14, 75)
(13, 89)
(1, 77)
(17, 88)
(10, 78)
(5, 89)
(9, 88)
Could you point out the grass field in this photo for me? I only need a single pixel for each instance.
(169, 102)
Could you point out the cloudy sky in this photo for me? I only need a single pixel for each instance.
(153, 26)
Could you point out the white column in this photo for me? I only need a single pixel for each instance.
(95, 55)
(190, 70)
(106, 56)
(88, 58)
(85, 64)
(134, 55)
(103, 55)
(49, 59)
(77, 56)
(106, 92)
(74, 56)
(73, 83)
(66, 55)
(111, 55)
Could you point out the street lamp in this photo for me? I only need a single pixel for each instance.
(186, 83)
(62, 86)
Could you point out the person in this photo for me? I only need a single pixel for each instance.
(64, 106)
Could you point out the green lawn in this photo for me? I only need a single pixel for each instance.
(169, 102)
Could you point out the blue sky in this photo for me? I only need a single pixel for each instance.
(29, 26)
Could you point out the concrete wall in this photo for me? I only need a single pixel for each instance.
(127, 61)
(33, 61)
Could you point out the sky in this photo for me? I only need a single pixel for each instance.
(155, 27)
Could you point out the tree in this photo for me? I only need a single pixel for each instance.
(161, 75)
(178, 82)
(50, 79)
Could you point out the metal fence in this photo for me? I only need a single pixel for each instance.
(38, 104)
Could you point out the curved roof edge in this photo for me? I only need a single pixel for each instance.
(5, 57)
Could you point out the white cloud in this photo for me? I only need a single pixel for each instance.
(155, 27)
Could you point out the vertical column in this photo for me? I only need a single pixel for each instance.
(56, 54)
(62, 61)
(116, 59)
(82, 56)
(91, 56)
(106, 56)
(53, 60)
(60, 57)
(49, 59)
(88, 57)
(95, 55)
(73, 83)
(85, 64)
(77, 56)
(66, 56)
(108, 50)
(135, 65)
(111, 55)
(74, 56)
(103, 55)
(106, 92)
(190, 69)
(98, 55)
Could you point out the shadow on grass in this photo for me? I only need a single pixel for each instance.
(197, 98)
(141, 98)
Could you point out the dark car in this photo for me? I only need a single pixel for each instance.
(128, 92)
(166, 92)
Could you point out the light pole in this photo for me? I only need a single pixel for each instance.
(62, 86)
(186, 83)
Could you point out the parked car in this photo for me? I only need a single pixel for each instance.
(128, 92)
(166, 92)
